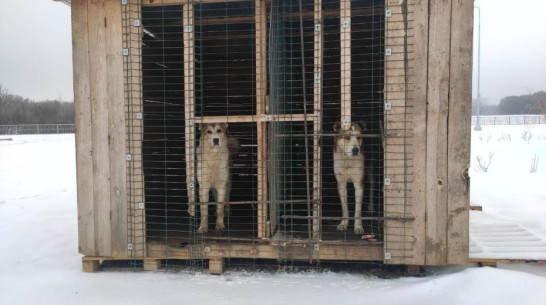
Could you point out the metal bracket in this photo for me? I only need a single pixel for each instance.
(128, 157)
(129, 246)
(387, 255)
(268, 117)
(137, 22)
(124, 2)
(346, 123)
(188, 28)
(387, 181)
(388, 106)
(192, 185)
(139, 115)
(345, 24)
(388, 13)
(317, 80)
(388, 52)
(141, 205)
(316, 247)
(125, 52)
(317, 27)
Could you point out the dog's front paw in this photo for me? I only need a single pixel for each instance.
(203, 229)
(359, 230)
(191, 210)
(342, 227)
(220, 226)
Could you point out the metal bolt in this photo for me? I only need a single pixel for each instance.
(387, 181)
(139, 116)
(317, 27)
(388, 13)
(388, 106)
(388, 52)
(268, 117)
(123, 2)
(345, 23)
(317, 247)
(137, 22)
(317, 80)
(192, 185)
(345, 123)
(387, 255)
(141, 205)
(128, 157)
(129, 246)
(125, 52)
(189, 29)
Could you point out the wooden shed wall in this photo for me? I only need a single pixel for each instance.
(438, 85)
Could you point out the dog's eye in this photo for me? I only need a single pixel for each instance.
(218, 130)
(209, 131)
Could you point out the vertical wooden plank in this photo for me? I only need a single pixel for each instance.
(438, 94)
(189, 104)
(99, 126)
(345, 61)
(261, 88)
(419, 102)
(460, 97)
(116, 127)
(132, 37)
(317, 118)
(82, 120)
(398, 235)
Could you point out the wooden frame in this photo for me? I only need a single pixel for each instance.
(427, 84)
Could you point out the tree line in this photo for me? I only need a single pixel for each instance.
(534, 103)
(15, 110)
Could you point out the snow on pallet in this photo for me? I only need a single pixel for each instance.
(498, 240)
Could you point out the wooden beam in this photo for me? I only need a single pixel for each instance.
(437, 114)
(261, 89)
(317, 118)
(253, 118)
(181, 2)
(99, 126)
(189, 104)
(345, 61)
(82, 120)
(460, 114)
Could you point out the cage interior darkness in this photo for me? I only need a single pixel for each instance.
(225, 84)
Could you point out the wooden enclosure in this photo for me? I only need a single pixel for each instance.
(426, 68)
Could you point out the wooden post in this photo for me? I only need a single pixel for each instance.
(216, 265)
(261, 89)
(189, 104)
(90, 265)
(437, 114)
(82, 124)
(460, 114)
(345, 61)
(317, 118)
(132, 36)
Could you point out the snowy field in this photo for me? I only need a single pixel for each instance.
(39, 262)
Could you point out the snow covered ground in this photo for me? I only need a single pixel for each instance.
(39, 262)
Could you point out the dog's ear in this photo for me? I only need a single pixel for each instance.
(337, 127)
(360, 125)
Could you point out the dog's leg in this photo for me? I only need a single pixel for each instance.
(359, 192)
(342, 190)
(221, 198)
(204, 199)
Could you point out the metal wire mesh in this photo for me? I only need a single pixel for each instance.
(273, 79)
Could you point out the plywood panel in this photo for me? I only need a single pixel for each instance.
(82, 120)
(99, 126)
(116, 127)
(460, 102)
(437, 111)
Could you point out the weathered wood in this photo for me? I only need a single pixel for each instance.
(180, 2)
(90, 265)
(116, 127)
(460, 113)
(398, 236)
(216, 265)
(99, 126)
(418, 77)
(189, 104)
(345, 61)
(261, 88)
(82, 120)
(151, 264)
(134, 133)
(317, 118)
(476, 208)
(253, 118)
(438, 96)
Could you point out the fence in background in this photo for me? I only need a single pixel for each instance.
(509, 119)
(36, 129)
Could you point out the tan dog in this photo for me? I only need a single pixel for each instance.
(349, 167)
(213, 171)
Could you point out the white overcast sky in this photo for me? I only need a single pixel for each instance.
(36, 58)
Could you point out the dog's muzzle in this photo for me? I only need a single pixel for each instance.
(355, 151)
(216, 141)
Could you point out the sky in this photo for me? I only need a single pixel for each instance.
(36, 54)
